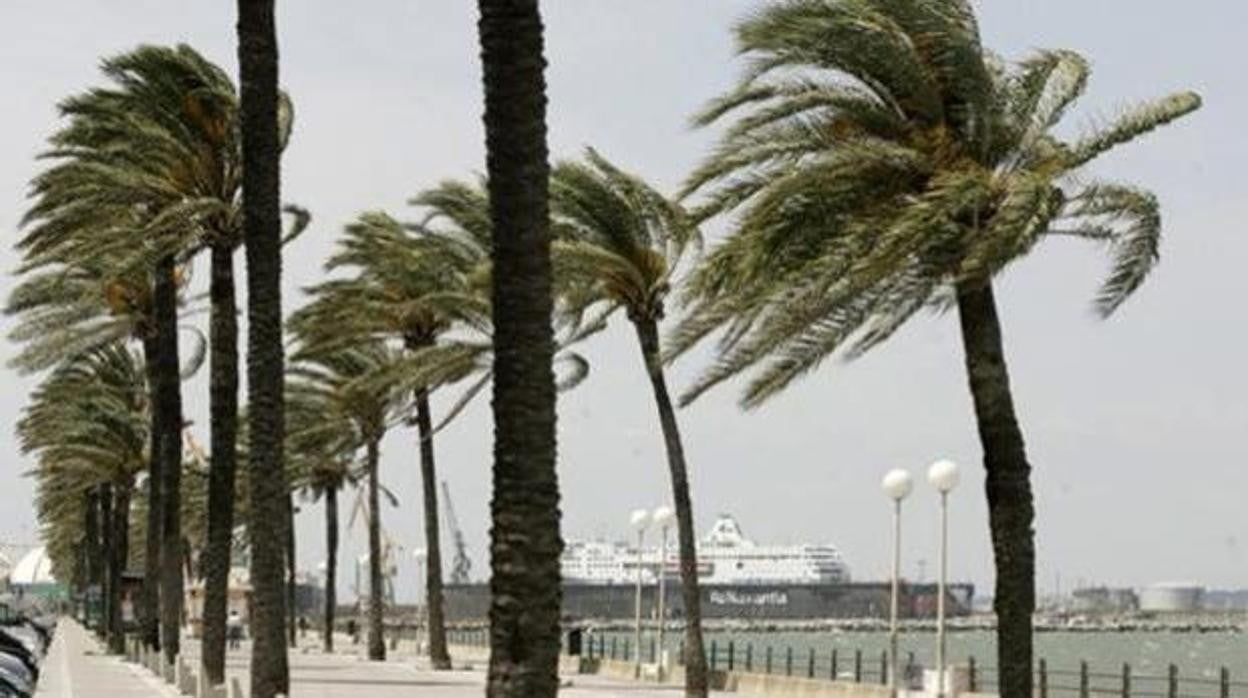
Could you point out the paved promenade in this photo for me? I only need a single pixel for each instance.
(76, 667)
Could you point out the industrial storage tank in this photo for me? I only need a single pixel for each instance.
(1172, 597)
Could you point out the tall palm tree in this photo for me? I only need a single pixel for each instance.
(365, 410)
(261, 149)
(87, 424)
(321, 451)
(881, 160)
(217, 117)
(525, 543)
(154, 165)
(68, 308)
(618, 244)
(418, 288)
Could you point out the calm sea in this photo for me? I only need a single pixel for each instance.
(1198, 657)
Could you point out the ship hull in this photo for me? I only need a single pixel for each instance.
(470, 602)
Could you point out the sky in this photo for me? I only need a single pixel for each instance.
(1135, 426)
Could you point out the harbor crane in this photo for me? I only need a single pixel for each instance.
(462, 566)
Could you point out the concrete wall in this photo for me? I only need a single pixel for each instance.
(772, 685)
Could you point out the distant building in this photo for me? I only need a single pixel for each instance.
(31, 579)
(1172, 598)
(1226, 600)
(1103, 600)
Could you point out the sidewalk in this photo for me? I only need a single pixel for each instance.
(314, 674)
(77, 667)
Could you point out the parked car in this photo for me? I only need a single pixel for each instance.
(12, 647)
(16, 651)
(16, 673)
(23, 644)
(13, 687)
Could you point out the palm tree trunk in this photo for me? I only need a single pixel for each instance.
(291, 582)
(525, 544)
(257, 59)
(376, 600)
(223, 407)
(695, 656)
(149, 605)
(331, 565)
(169, 402)
(90, 572)
(438, 654)
(105, 499)
(118, 552)
(1010, 509)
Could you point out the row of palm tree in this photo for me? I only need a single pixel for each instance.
(87, 426)
(874, 160)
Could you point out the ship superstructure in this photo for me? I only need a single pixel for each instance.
(725, 557)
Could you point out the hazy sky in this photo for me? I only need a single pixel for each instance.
(1135, 426)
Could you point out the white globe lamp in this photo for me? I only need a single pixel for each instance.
(640, 519)
(943, 475)
(897, 484)
(663, 516)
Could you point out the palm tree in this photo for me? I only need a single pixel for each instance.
(419, 288)
(63, 313)
(525, 543)
(216, 115)
(163, 144)
(881, 161)
(261, 149)
(87, 424)
(618, 243)
(321, 451)
(365, 410)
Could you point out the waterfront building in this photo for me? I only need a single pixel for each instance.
(1172, 597)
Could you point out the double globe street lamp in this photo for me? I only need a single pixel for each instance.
(641, 519)
(662, 517)
(897, 484)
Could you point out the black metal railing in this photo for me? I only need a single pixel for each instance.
(837, 664)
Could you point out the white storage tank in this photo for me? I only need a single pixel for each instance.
(1172, 597)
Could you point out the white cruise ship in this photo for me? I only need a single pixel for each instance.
(725, 557)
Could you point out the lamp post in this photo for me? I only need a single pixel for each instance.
(639, 520)
(422, 618)
(662, 518)
(897, 485)
(943, 475)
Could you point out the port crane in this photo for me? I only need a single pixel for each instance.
(462, 566)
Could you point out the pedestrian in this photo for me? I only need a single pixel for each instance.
(234, 629)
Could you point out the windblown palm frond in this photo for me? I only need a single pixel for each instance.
(86, 424)
(875, 156)
(618, 241)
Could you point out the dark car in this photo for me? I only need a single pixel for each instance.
(27, 637)
(12, 647)
(17, 673)
(14, 687)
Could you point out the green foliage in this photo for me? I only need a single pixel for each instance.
(146, 166)
(875, 157)
(618, 242)
(86, 425)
